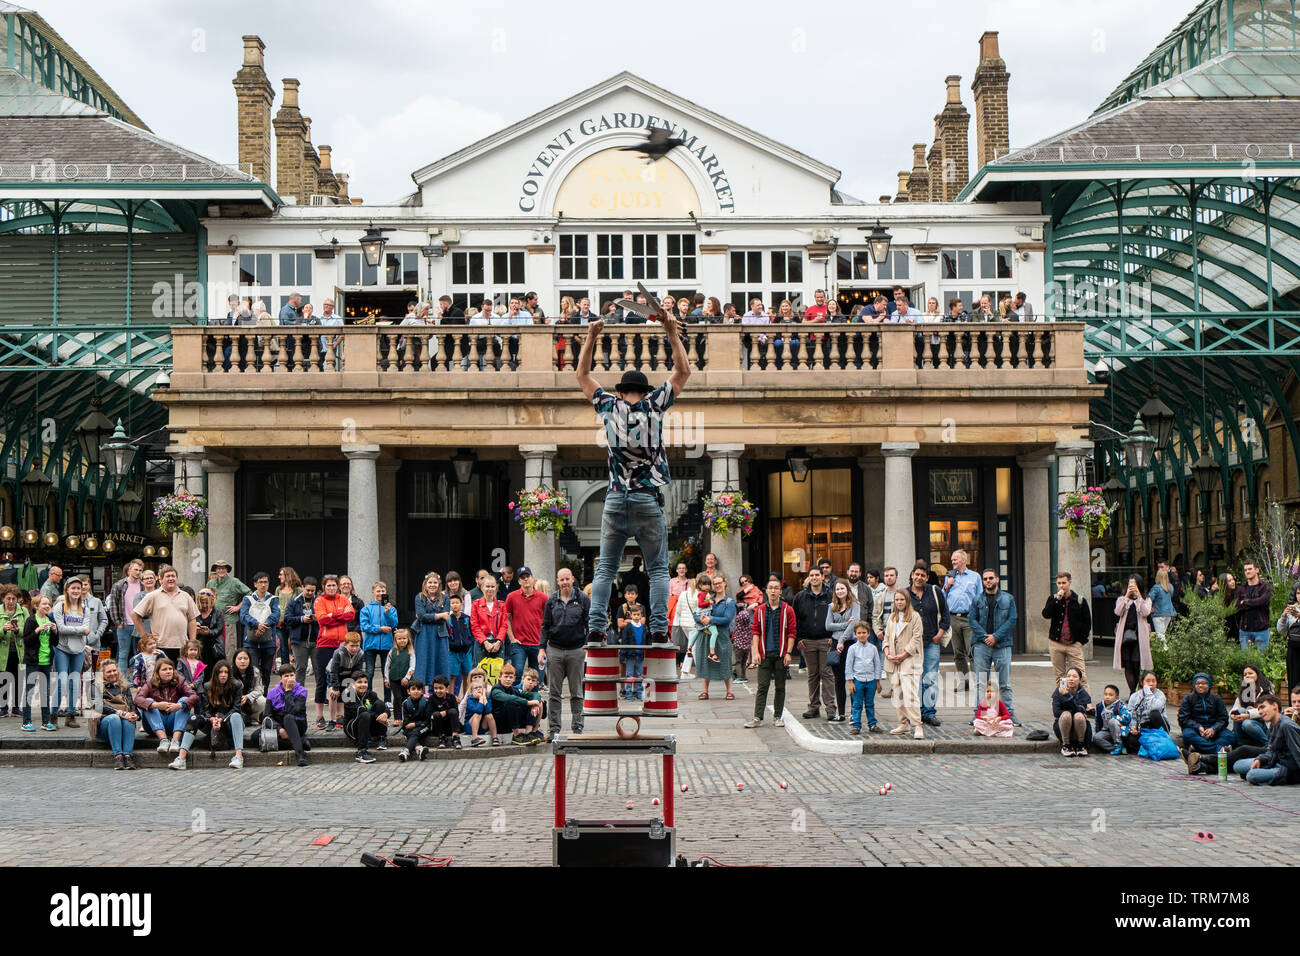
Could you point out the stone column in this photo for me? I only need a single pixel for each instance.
(363, 516)
(872, 550)
(1073, 555)
(726, 477)
(386, 482)
(188, 549)
(900, 520)
(1037, 507)
(539, 550)
(221, 511)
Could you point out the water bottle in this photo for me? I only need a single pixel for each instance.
(1223, 765)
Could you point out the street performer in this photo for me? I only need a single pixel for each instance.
(638, 471)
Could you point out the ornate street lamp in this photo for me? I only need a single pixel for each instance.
(879, 241)
(129, 504)
(1158, 418)
(463, 464)
(118, 452)
(372, 245)
(1139, 445)
(1114, 491)
(1205, 470)
(798, 461)
(36, 488)
(91, 432)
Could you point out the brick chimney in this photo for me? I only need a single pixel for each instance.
(253, 96)
(903, 186)
(935, 160)
(954, 130)
(290, 144)
(326, 183)
(992, 125)
(310, 162)
(918, 183)
(342, 193)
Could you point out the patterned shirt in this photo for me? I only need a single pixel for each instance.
(634, 435)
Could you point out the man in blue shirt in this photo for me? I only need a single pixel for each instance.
(638, 469)
(993, 621)
(961, 586)
(291, 314)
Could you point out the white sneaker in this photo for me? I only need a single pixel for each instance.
(177, 764)
(779, 722)
(751, 724)
(403, 755)
(237, 762)
(900, 729)
(164, 745)
(419, 751)
(918, 734)
(175, 746)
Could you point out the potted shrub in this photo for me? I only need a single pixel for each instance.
(1193, 643)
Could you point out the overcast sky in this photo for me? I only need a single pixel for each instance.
(395, 84)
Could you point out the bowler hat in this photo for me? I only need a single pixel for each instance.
(633, 381)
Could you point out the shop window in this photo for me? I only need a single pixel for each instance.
(436, 493)
(810, 520)
(356, 271)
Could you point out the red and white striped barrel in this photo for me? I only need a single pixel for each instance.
(661, 663)
(602, 662)
(660, 699)
(599, 698)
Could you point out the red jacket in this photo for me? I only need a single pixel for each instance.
(487, 626)
(333, 615)
(758, 648)
(177, 692)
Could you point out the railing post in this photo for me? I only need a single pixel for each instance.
(722, 353)
(897, 354)
(536, 355)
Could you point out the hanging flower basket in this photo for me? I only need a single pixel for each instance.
(541, 510)
(729, 512)
(181, 513)
(1085, 511)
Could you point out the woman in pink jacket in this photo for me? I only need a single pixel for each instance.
(1133, 632)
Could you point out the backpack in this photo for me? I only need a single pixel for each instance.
(268, 738)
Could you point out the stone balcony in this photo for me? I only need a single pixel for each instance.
(283, 390)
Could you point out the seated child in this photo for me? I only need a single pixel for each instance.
(632, 634)
(992, 719)
(365, 718)
(190, 667)
(348, 658)
(477, 705)
(415, 721)
(141, 665)
(1112, 718)
(517, 708)
(444, 716)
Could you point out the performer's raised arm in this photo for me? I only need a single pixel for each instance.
(585, 380)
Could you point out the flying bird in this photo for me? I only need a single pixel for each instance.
(657, 146)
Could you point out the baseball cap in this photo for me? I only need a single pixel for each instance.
(523, 571)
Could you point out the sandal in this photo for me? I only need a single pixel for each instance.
(730, 697)
(496, 741)
(704, 696)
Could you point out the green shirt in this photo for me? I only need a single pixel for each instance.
(228, 592)
(46, 638)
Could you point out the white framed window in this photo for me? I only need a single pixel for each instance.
(995, 263)
(609, 256)
(295, 269)
(402, 268)
(896, 267)
(853, 265)
(769, 274)
(787, 266)
(358, 272)
(645, 256)
(957, 264)
(681, 256)
(467, 269)
(574, 261)
(747, 267)
(507, 268)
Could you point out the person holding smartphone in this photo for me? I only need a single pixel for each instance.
(1132, 631)
(378, 621)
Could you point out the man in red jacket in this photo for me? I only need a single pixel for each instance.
(774, 636)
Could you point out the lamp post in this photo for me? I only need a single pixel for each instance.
(798, 461)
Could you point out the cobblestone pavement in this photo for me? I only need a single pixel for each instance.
(1021, 809)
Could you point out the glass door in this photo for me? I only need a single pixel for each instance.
(952, 534)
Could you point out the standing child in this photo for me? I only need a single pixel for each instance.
(415, 722)
(862, 670)
(460, 642)
(1112, 718)
(992, 719)
(191, 667)
(444, 714)
(633, 661)
(478, 709)
(401, 667)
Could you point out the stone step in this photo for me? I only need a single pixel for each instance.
(148, 758)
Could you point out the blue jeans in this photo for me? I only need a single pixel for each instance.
(1262, 777)
(372, 658)
(172, 723)
(66, 674)
(864, 698)
(1259, 638)
(125, 647)
(236, 732)
(1253, 732)
(119, 733)
(514, 653)
(632, 514)
(930, 679)
(987, 658)
(1209, 748)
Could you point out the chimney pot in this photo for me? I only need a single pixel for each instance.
(325, 158)
(253, 47)
(954, 88)
(989, 45)
(290, 98)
